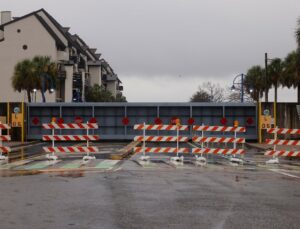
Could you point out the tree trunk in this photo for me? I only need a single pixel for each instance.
(28, 96)
(43, 96)
(275, 96)
(298, 93)
(267, 95)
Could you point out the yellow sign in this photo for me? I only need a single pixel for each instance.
(235, 123)
(16, 120)
(266, 121)
(3, 119)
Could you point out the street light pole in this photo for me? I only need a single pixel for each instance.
(242, 82)
(266, 78)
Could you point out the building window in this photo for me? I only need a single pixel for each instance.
(18, 30)
(25, 47)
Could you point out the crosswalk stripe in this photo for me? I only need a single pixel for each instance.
(72, 165)
(41, 165)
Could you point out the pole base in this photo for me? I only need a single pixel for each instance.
(144, 158)
(87, 158)
(177, 159)
(51, 157)
(200, 159)
(273, 161)
(2, 157)
(236, 160)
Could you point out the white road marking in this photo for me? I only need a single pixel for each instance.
(283, 173)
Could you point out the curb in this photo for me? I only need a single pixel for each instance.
(25, 144)
(257, 147)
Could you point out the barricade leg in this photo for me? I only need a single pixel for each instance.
(234, 159)
(177, 158)
(275, 159)
(87, 157)
(52, 156)
(144, 157)
(200, 159)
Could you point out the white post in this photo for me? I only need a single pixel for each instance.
(177, 147)
(1, 139)
(275, 138)
(144, 140)
(87, 141)
(202, 143)
(234, 144)
(53, 141)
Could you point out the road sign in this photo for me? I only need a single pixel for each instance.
(298, 110)
(16, 120)
(16, 110)
(266, 112)
(266, 121)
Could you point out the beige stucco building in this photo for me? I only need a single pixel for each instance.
(38, 33)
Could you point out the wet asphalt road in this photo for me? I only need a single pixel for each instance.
(215, 196)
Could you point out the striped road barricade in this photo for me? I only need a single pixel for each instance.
(51, 150)
(168, 139)
(232, 152)
(4, 138)
(275, 142)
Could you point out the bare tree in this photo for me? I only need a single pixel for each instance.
(208, 92)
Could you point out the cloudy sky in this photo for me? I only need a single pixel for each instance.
(163, 50)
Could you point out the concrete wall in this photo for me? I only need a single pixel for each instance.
(112, 87)
(95, 75)
(38, 41)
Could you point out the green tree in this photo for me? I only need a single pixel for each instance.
(97, 93)
(200, 96)
(289, 72)
(24, 77)
(255, 80)
(120, 98)
(46, 74)
(275, 73)
(297, 70)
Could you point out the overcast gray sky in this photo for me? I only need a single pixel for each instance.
(163, 49)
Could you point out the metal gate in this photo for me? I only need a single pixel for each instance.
(116, 120)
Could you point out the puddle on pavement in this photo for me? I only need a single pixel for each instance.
(11, 173)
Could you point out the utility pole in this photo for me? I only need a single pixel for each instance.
(266, 78)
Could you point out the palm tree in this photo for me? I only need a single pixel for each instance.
(289, 71)
(255, 80)
(297, 75)
(24, 78)
(46, 72)
(275, 72)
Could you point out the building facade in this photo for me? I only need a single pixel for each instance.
(38, 33)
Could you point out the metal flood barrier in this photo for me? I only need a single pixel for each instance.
(116, 120)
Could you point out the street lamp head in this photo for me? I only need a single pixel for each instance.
(233, 88)
(251, 90)
(51, 90)
(34, 90)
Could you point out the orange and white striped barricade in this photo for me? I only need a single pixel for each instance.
(51, 150)
(4, 149)
(219, 151)
(169, 139)
(281, 153)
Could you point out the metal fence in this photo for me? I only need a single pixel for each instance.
(110, 116)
